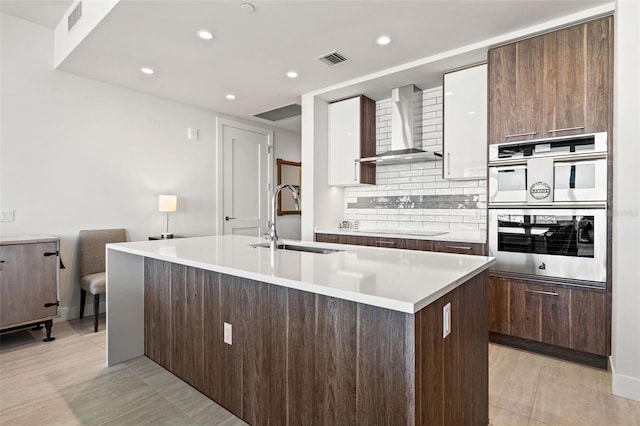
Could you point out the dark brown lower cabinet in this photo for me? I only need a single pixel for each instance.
(302, 358)
(404, 243)
(567, 317)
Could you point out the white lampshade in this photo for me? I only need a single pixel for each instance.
(167, 203)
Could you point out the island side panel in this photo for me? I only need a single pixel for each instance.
(212, 337)
(296, 357)
(157, 311)
(278, 324)
(429, 365)
(473, 343)
(125, 306)
(452, 385)
(301, 351)
(186, 325)
(335, 361)
(385, 374)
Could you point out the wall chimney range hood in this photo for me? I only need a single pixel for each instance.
(406, 130)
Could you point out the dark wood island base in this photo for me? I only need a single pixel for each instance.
(302, 358)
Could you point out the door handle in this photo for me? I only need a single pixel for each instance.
(546, 293)
(227, 218)
(566, 129)
(520, 134)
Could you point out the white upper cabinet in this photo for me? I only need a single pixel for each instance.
(351, 136)
(465, 124)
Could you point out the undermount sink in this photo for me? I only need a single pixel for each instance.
(308, 249)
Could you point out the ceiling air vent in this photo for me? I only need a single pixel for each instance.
(74, 16)
(281, 113)
(333, 58)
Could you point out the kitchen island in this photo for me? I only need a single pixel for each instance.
(357, 336)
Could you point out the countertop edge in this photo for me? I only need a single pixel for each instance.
(381, 302)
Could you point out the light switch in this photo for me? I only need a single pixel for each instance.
(192, 134)
(446, 320)
(8, 216)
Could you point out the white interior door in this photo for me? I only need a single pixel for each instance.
(246, 178)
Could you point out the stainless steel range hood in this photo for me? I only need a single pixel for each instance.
(406, 130)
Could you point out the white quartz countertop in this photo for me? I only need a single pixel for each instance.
(400, 280)
(478, 237)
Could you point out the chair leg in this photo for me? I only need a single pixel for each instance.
(96, 309)
(83, 298)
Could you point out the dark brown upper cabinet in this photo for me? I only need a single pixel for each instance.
(555, 84)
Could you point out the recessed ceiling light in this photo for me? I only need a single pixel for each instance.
(248, 7)
(230, 96)
(205, 35)
(383, 40)
(292, 74)
(147, 70)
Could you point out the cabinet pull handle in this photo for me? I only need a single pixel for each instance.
(520, 134)
(459, 247)
(51, 253)
(448, 163)
(546, 293)
(385, 242)
(1, 261)
(566, 129)
(355, 171)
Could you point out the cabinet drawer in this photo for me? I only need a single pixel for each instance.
(573, 318)
(459, 247)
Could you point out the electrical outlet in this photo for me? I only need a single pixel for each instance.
(227, 333)
(446, 320)
(8, 216)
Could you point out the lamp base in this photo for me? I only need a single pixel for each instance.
(166, 235)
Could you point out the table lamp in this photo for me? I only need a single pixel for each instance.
(167, 204)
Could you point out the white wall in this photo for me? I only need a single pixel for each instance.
(325, 206)
(625, 359)
(77, 154)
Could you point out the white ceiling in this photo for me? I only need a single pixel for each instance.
(251, 53)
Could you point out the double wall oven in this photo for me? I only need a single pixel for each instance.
(548, 207)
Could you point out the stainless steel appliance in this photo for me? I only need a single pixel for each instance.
(563, 172)
(547, 207)
(564, 243)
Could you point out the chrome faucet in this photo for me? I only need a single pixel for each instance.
(272, 235)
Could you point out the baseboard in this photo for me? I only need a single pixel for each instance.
(592, 360)
(624, 386)
(73, 312)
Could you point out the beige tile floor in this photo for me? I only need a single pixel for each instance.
(65, 383)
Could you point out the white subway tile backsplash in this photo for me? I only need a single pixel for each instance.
(399, 180)
(411, 186)
(449, 191)
(463, 184)
(418, 192)
(465, 227)
(422, 182)
(435, 185)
